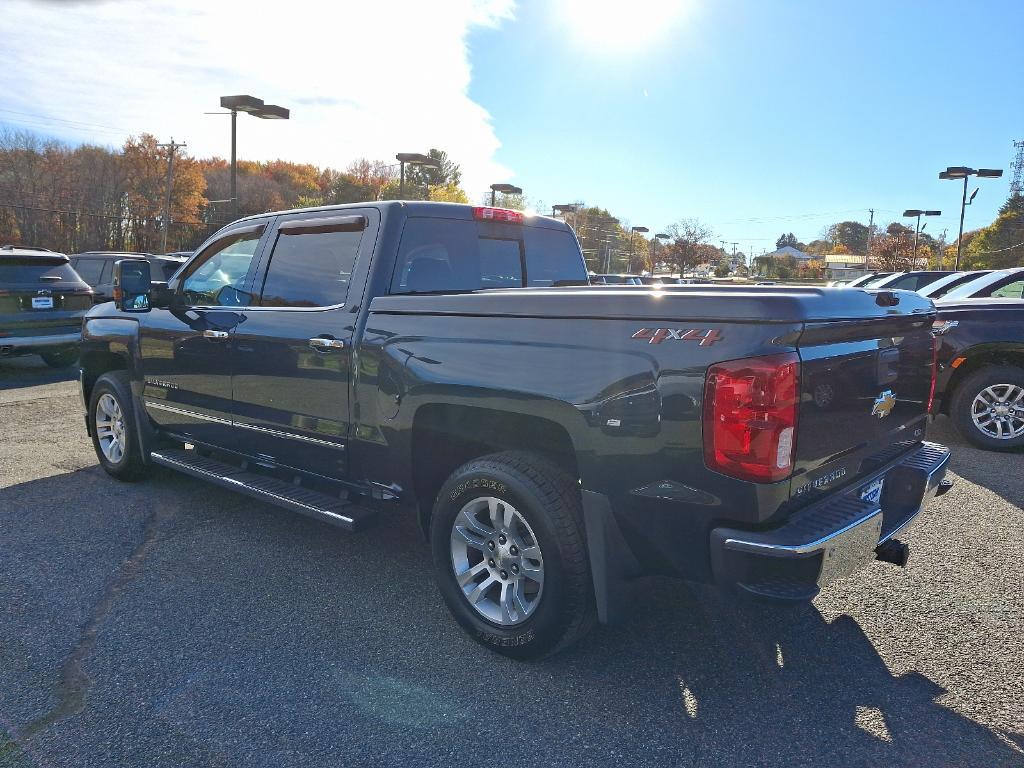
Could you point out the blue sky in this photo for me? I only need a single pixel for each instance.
(756, 116)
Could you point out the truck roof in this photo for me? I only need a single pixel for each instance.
(425, 208)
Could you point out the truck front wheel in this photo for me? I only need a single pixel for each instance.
(509, 554)
(112, 423)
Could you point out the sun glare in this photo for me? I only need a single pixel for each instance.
(614, 25)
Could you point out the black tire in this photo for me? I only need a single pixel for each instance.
(60, 358)
(964, 396)
(130, 466)
(549, 501)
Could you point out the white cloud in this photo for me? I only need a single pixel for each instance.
(361, 78)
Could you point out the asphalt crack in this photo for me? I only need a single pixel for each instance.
(74, 681)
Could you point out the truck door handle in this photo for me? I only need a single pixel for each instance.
(215, 334)
(324, 344)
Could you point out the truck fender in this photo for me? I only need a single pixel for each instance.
(108, 338)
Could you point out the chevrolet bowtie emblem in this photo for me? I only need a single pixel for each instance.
(884, 404)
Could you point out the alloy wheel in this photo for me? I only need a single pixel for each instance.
(497, 561)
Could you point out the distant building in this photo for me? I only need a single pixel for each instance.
(788, 250)
(845, 266)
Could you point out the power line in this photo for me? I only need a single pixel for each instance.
(47, 119)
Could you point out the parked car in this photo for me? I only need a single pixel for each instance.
(997, 283)
(97, 269)
(944, 285)
(907, 281)
(554, 443)
(980, 382)
(861, 281)
(42, 303)
(615, 280)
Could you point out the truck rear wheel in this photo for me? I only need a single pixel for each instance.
(112, 423)
(509, 554)
(988, 407)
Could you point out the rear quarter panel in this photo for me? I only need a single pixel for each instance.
(631, 406)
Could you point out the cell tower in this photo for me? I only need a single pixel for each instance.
(1017, 185)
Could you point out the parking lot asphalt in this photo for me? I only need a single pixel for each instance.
(171, 623)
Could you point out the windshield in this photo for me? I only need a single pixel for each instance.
(30, 269)
(976, 286)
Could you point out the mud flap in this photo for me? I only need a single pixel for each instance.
(612, 563)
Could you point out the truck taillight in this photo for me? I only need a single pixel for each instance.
(498, 214)
(750, 409)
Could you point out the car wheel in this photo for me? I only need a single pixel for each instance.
(60, 358)
(510, 556)
(988, 407)
(112, 423)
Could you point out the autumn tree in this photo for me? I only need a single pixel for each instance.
(894, 250)
(689, 245)
(1001, 244)
(852, 235)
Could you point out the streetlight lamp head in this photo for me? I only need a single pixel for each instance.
(990, 173)
(508, 189)
(640, 229)
(415, 158)
(912, 212)
(272, 112)
(663, 236)
(933, 213)
(242, 103)
(957, 172)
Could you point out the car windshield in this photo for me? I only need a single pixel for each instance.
(35, 269)
(978, 286)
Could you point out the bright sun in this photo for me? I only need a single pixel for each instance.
(621, 25)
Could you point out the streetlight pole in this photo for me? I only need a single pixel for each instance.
(256, 108)
(654, 248)
(963, 172)
(917, 229)
(632, 249)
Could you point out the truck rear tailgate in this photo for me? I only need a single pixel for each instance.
(865, 385)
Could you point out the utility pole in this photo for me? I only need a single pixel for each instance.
(871, 229)
(170, 185)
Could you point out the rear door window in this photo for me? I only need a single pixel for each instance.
(90, 270)
(311, 269)
(452, 255)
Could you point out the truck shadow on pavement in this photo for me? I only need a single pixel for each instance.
(989, 469)
(230, 633)
(31, 371)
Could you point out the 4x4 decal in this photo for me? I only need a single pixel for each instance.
(657, 335)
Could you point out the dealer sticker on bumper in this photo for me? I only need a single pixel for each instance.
(872, 492)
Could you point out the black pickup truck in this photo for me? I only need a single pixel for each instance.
(555, 439)
(980, 378)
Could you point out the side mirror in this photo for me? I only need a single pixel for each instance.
(132, 285)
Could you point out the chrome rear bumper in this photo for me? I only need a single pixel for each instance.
(832, 538)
